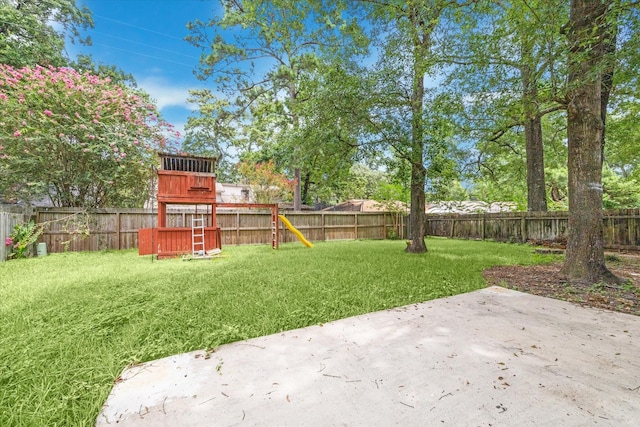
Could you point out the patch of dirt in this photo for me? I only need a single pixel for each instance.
(546, 280)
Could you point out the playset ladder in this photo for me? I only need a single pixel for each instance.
(197, 237)
(274, 229)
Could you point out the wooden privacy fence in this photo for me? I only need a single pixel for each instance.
(621, 227)
(8, 219)
(72, 230)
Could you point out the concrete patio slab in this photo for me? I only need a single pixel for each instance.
(493, 357)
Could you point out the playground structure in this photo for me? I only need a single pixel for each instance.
(190, 180)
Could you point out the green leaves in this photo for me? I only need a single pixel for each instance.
(27, 34)
(265, 60)
(22, 239)
(81, 139)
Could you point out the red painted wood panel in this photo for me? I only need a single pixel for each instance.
(186, 187)
(172, 242)
(146, 239)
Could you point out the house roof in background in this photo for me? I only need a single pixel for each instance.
(469, 207)
(364, 205)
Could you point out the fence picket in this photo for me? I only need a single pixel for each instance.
(621, 227)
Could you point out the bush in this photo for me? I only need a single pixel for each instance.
(22, 239)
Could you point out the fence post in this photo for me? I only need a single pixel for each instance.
(118, 234)
(238, 228)
(322, 224)
(355, 223)
(523, 229)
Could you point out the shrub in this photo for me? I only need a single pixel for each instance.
(22, 239)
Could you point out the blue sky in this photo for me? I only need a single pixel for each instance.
(146, 39)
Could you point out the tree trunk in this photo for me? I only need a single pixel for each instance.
(584, 262)
(417, 218)
(417, 230)
(418, 172)
(610, 38)
(536, 188)
(297, 205)
(305, 188)
(421, 40)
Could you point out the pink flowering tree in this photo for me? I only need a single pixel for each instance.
(77, 138)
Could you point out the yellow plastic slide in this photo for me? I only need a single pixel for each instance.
(295, 231)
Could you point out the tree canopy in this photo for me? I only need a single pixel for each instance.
(28, 36)
(78, 139)
(260, 55)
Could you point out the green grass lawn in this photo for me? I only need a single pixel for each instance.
(71, 322)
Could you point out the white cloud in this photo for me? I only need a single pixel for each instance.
(166, 93)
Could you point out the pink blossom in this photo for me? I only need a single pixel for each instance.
(3, 96)
(17, 133)
(135, 142)
(8, 241)
(86, 150)
(48, 113)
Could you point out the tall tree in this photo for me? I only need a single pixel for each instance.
(409, 122)
(28, 36)
(258, 52)
(498, 169)
(590, 32)
(328, 135)
(509, 67)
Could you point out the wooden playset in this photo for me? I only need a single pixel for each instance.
(190, 180)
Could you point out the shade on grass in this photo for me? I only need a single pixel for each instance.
(71, 322)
